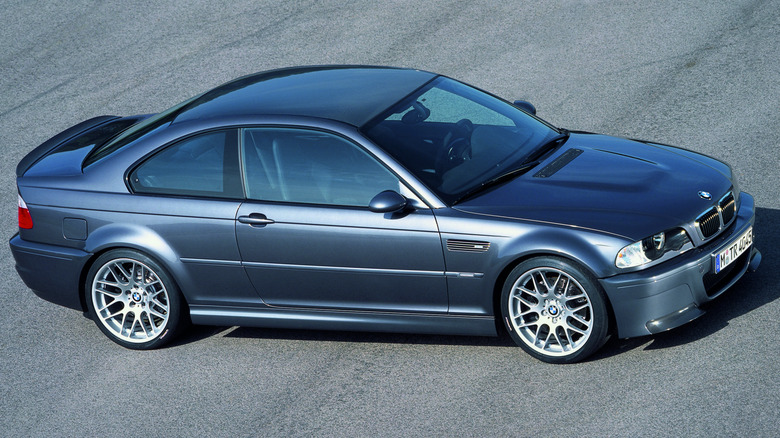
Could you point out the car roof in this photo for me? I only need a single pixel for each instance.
(348, 94)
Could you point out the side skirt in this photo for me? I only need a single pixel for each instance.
(288, 318)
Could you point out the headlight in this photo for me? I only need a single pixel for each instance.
(653, 248)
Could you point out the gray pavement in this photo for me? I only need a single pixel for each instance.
(700, 74)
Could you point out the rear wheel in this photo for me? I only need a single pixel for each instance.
(133, 300)
(554, 310)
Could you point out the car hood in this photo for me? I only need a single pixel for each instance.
(626, 187)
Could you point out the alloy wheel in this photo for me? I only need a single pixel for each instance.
(550, 311)
(130, 300)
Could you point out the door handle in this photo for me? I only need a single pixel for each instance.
(255, 220)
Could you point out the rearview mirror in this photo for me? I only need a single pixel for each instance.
(525, 106)
(388, 201)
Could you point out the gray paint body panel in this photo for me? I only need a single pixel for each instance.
(376, 261)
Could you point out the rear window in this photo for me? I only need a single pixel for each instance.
(135, 132)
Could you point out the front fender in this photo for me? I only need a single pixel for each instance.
(476, 274)
(595, 252)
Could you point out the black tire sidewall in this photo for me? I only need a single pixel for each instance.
(175, 301)
(592, 290)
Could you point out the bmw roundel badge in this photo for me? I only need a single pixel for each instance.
(705, 195)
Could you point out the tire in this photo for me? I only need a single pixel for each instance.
(554, 310)
(133, 300)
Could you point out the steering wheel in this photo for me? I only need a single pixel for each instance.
(456, 147)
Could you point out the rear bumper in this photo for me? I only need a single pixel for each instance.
(671, 294)
(52, 272)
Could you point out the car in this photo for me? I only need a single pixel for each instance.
(383, 199)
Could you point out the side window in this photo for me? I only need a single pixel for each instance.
(295, 165)
(203, 165)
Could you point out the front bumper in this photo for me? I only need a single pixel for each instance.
(671, 294)
(52, 272)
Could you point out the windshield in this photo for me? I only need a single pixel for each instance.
(455, 138)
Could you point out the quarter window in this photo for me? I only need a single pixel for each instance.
(302, 166)
(203, 165)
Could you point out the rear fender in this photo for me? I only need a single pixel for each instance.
(143, 239)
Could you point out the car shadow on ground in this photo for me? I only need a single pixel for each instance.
(197, 333)
(751, 292)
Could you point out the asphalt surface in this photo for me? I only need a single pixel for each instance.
(700, 74)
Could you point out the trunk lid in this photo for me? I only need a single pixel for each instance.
(64, 153)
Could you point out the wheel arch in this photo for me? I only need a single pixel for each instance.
(513, 263)
(130, 237)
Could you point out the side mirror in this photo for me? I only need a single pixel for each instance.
(388, 201)
(525, 106)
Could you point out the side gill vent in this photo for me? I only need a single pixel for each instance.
(558, 163)
(467, 245)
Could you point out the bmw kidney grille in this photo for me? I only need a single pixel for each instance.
(717, 218)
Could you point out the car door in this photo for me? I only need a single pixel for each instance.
(308, 239)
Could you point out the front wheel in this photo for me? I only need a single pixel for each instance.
(554, 310)
(133, 300)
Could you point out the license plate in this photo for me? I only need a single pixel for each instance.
(734, 250)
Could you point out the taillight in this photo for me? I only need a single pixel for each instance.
(25, 220)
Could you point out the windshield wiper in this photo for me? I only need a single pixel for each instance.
(552, 144)
(525, 167)
(530, 162)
